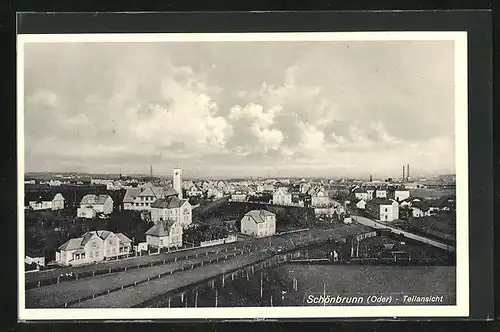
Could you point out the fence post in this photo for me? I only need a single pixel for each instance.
(58, 279)
(76, 276)
(38, 283)
(109, 272)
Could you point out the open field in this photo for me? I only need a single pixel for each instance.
(58, 294)
(275, 286)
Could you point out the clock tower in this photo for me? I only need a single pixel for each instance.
(178, 181)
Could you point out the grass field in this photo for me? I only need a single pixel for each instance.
(58, 294)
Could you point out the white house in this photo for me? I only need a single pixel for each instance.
(141, 198)
(164, 234)
(239, 197)
(382, 209)
(92, 247)
(370, 190)
(361, 204)
(213, 192)
(380, 193)
(99, 203)
(55, 183)
(282, 197)
(172, 208)
(361, 194)
(319, 197)
(259, 223)
(48, 201)
(194, 191)
(401, 194)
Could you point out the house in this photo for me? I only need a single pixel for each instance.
(164, 234)
(141, 198)
(48, 201)
(259, 223)
(194, 191)
(401, 194)
(361, 204)
(361, 194)
(380, 193)
(419, 208)
(93, 247)
(99, 203)
(282, 197)
(382, 209)
(229, 189)
(239, 196)
(319, 197)
(172, 208)
(55, 183)
(213, 192)
(38, 261)
(370, 190)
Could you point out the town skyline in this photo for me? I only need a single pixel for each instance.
(293, 109)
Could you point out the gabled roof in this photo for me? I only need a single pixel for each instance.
(171, 202)
(72, 244)
(282, 191)
(42, 197)
(162, 228)
(123, 238)
(130, 195)
(94, 199)
(380, 201)
(259, 215)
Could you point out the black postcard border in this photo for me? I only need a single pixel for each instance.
(478, 24)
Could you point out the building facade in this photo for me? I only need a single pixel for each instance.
(164, 234)
(92, 247)
(382, 209)
(282, 197)
(141, 198)
(174, 209)
(259, 223)
(48, 201)
(99, 203)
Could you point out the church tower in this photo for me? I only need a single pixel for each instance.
(178, 181)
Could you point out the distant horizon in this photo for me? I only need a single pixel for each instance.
(186, 177)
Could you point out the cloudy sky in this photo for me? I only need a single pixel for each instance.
(240, 108)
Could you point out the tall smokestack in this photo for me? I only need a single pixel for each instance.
(371, 178)
(408, 171)
(151, 172)
(403, 173)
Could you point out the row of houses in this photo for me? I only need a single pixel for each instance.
(371, 192)
(315, 197)
(96, 246)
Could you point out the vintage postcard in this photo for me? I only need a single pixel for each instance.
(243, 175)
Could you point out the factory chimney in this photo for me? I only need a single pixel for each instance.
(371, 178)
(151, 172)
(408, 172)
(403, 173)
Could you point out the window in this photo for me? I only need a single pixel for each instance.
(91, 254)
(114, 250)
(385, 209)
(97, 254)
(161, 242)
(83, 256)
(94, 244)
(108, 251)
